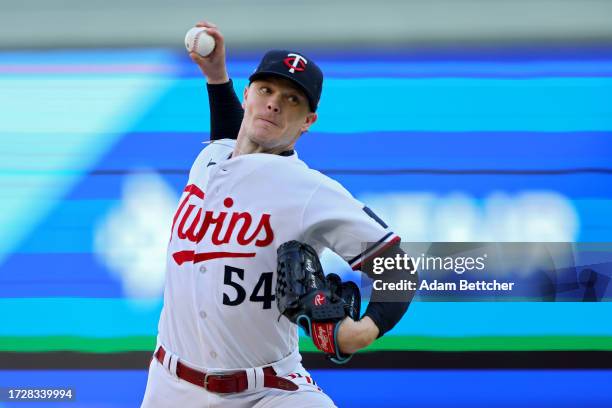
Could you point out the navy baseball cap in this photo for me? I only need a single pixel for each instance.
(295, 67)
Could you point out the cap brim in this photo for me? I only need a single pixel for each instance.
(260, 74)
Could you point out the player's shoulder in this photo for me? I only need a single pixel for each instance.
(327, 184)
(220, 147)
(296, 169)
(216, 150)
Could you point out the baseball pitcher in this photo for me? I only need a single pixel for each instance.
(242, 271)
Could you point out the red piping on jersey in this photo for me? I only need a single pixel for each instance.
(190, 256)
(382, 249)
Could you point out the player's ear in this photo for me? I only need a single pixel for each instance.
(311, 118)
(244, 96)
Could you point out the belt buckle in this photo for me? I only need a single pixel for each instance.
(206, 375)
(216, 374)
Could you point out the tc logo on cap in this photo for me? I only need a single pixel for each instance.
(295, 62)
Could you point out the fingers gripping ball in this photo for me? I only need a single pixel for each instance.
(199, 41)
(313, 301)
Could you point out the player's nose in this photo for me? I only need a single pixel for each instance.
(273, 107)
(274, 104)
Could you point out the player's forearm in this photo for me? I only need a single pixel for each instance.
(355, 335)
(386, 307)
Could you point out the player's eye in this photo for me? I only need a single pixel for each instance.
(264, 90)
(294, 100)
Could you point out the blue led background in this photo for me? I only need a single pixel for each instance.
(75, 125)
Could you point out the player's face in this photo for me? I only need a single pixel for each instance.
(276, 113)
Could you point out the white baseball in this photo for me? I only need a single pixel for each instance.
(199, 41)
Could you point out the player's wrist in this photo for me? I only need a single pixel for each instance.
(217, 80)
(355, 335)
(370, 330)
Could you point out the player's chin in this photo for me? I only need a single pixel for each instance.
(266, 139)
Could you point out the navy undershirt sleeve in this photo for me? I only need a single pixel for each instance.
(386, 314)
(225, 111)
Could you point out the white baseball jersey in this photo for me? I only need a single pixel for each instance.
(219, 305)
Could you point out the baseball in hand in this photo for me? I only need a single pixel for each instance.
(199, 41)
